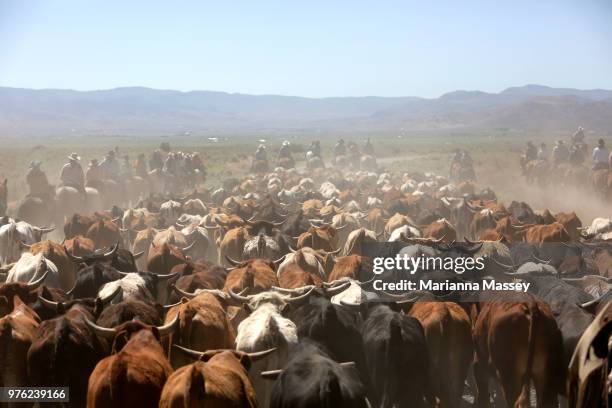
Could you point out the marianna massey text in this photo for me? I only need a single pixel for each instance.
(427, 284)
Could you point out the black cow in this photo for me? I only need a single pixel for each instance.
(129, 309)
(398, 359)
(91, 278)
(312, 379)
(335, 327)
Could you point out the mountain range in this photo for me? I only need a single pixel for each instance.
(137, 111)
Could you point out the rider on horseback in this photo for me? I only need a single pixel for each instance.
(315, 148)
(110, 167)
(340, 148)
(531, 152)
(600, 156)
(72, 175)
(93, 175)
(37, 181)
(284, 151)
(368, 148)
(261, 153)
(560, 153)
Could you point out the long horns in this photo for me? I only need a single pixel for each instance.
(254, 356)
(111, 333)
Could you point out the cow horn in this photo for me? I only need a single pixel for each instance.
(278, 224)
(341, 228)
(34, 285)
(72, 257)
(271, 374)
(279, 261)
(138, 255)
(258, 355)
(287, 291)
(168, 307)
(301, 298)
(335, 252)
(189, 247)
(238, 298)
(364, 283)
(167, 329)
(106, 299)
(351, 305)
(334, 290)
(213, 227)
(466, 239)
(167, 275)
(45, 230)
(49, 304)
(192, 353)
(292, 249)
(71, 291)
(101, 331)
(112, 251)
(409, 300)
(24, 245)
(438, 241)
(590, 303)
(232, 261)
(540, 260)
(507, 267)
(188, 295)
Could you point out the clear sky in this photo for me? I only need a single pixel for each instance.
(307, 48)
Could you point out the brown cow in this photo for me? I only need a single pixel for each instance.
(441, 229)
(78, 225)
(80, 246)
(375, 221)
(17, 330)
(449, 337)
(356, 267)
(571, 222)
(203, 323)
(517, 340)
(324, 237)
(64, 352)
(256, 274)
(142, 242)
(295, 277)
(539, 234)
(232, 245)
(163, 258)
(135, 375)
(220, 378)
(104, 234)
(57, 254)
(25, 291)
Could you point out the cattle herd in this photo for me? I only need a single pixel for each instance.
(259, 293)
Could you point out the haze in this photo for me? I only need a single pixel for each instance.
(314, 49)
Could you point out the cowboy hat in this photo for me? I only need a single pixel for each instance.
(74, 156)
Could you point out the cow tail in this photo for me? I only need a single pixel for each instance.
(195, 386)
(532, 312)
(118, 379)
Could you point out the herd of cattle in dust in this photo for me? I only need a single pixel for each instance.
(258, 293)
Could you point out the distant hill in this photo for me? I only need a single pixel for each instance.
(145, 111)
